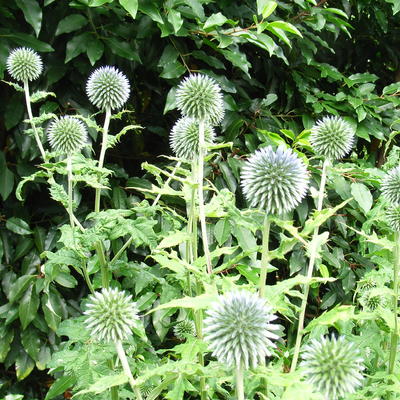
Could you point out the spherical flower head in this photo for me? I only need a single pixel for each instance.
(333, 366)
(111, 315)
(184, 138)
(391, 186)
(108, 88)
(24, 64)
(198, 96)
(372, 299)
(332, 137)
(184, 328)
(274, 180)
(238, 329)
(67, 134)
(393, 217)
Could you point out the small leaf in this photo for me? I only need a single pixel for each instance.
(362, 196)
(104, 383)
(286, 26)
(131, 6)
(266, 7)
(19, 287)
(23, 365)
(222, 231)
(94, 50)
(31, 342)
(196, 303)
(71, 23)
(18, 226)
(174, 239)
(28, 306)
(32, 13)
(60, 386)
(215, 20)
(6, 182)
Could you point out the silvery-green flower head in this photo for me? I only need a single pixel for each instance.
(184, 328)
(199, 97)
(67, 134)
(391, 186)
(111, 315)
(274, 180)
(333, 366)
(24, 64)
(184, 138)
(332, 137)
(393, 217)
(108, 88)
(238, 329)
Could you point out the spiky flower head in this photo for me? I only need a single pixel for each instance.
(184, 328)
(391, 186)
(393, 217)
(372, 299)
(274, 180)
(238, 329)
(107, 87)
(199, 96)
(67, 134)
(184, 138)
(332, 137)
(24, 64)
(111, 315)
(333, 366)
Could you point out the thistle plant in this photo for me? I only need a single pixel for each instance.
(184, 328)
(199, 97)
(391, 192)
(111, 317)
(332, 138)
(333, 366)
(239, 332)
(25, 65)
(275, 181)
(67, 135)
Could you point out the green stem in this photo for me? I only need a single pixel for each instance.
(239, 382)
(202, 213)
(29, 108)
(102, 155)
(311, 263)
(395, 334)
(70, 193)
(127, 370)
(264, 256)
(178, 164)
(122, 249)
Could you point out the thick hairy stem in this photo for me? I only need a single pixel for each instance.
(127, 370)
(395, 334)
(311, 263)
(29, 108)
(202, 213)
(239, 382)
(178, 164)
(102, 155)
(264, 256)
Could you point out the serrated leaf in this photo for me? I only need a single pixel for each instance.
(104, 383)
(196, 303)
(174, 239)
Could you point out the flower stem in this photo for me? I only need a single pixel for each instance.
(102, 155)
(311, 263)
(70, 193)
(29, 108)
(178, 164)
(239, 382)
(202, 213)
(127, 370)
(395, 334)
(264, 256)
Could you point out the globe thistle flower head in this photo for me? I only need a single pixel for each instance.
(393, 217)
(391, 186)
(274, 180)
(333, 366)
(199, 96)
(238, 329)
(111, 315)
(107, 87)
(184, 138)
(184, 328)
(372, 299)
(24, 64)
(67, 134)
(332, 137)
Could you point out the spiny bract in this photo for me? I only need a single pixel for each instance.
(391, 186)
(184, 328)
(238, 329)
(184, 138)
(67, 134)
(24, 64)
(333, 366)
(111, 315)
(274, 180)
(198, 96)
(393, 217)
(332, 137)
(107, 87)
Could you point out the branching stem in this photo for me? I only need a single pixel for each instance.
(311, 263)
